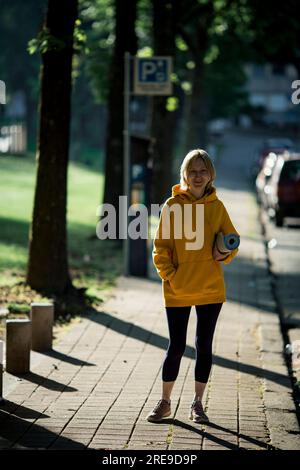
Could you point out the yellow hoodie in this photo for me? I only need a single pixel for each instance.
(192, 277)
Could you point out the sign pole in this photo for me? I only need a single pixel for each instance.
(126, 158)
(151, 77)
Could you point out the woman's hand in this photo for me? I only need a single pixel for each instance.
(217, 256)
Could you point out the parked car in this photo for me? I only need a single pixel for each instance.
(276, 145)
(282, 142)
(263, 177)
(282, 192)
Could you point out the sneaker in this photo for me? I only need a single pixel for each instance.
(197, 413)
(160, 411)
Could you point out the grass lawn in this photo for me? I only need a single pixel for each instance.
(94, 263)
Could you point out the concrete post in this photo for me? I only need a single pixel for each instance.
(42, 317)
(18, 342)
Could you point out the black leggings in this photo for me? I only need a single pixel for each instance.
(178, 318)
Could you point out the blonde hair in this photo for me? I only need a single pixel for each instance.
(189, 159)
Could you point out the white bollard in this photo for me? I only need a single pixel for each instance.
(1, 372)
(42, 318)
(18, 343)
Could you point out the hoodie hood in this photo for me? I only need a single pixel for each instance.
(185, 194)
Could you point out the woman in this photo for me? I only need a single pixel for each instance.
(191, 274)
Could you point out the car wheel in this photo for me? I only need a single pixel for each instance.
(278, 219)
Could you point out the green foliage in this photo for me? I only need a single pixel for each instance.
(190, 65)
(18, 308)
(212, 54)
(45, 42)
(19, 22)
(80, 37)
(172, 103)
(275, 32)
(187, 87)
(227, 23)
(225, 77)
(144, 24)
(181, 44)
(97, 21)
(14, 39)
(145, 52)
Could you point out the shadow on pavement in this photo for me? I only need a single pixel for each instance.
(141, 334)
(19, 411)
(45, 382)
(65, 358)
(29, 436)
(218, 440)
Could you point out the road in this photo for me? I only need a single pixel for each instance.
(282, 244)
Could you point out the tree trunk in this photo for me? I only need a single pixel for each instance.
(48, 263)
(126, 41)
(197, 128)
(163, 121)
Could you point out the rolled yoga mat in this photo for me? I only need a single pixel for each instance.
(227, 243)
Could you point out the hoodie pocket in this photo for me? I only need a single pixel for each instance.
(198, 277)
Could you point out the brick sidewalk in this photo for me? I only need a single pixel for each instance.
(103, 378)
(97, 386)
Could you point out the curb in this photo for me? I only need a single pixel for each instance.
(292, 412)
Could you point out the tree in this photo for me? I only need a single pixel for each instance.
(165, 17)
(48, 263)
(125, 41)
(21, 72)
(276, 31)
(225, 79)
(195, 30)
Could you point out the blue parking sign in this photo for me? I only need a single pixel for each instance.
(152, 76)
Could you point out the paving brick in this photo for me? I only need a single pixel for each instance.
(248, 398)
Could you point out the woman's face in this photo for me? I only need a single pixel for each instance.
(197, 177)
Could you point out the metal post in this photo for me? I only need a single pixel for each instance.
(126, 160)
